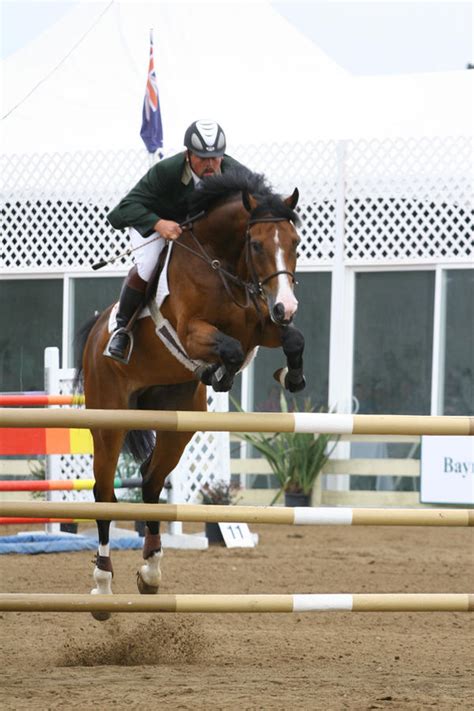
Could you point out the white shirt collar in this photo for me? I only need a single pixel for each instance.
(196, 179)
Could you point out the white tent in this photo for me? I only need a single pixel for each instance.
(80, 85)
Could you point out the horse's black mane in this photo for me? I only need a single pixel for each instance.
(230, 185)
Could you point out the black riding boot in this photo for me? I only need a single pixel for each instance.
(131, 297)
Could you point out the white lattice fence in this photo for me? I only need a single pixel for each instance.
(404, 201)
(55, 207)
(408, 200)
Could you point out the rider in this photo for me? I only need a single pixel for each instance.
(153, 208)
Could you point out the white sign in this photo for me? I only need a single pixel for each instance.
(237, 535)
(447, 470)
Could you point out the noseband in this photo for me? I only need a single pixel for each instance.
(253, 289)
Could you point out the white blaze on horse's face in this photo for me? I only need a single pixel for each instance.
(284, 294)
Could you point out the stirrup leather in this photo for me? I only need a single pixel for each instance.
(126, 358)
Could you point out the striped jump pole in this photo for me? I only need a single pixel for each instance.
(372, 602)
(185, 421)
(301, 515)
(6, 521)
(26, 400)
(64, 484)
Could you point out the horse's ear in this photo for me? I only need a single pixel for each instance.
(248, 201)
(292, 200)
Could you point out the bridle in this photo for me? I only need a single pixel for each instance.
(249, 260)
(253, 289)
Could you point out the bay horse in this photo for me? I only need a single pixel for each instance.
(231, 279)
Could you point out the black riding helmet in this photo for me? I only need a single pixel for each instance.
(205, 138)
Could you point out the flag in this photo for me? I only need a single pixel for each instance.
(152, 129)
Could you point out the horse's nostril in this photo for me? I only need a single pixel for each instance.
(279, 311)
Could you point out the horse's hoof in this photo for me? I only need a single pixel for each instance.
(101, 616)
(204, 373)
(145, 588)
(223, 385)
(295, 387)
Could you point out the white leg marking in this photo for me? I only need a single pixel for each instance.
(150, 572)
(103, 581)
(102, 578)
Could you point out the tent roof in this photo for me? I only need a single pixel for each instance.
(80, 85)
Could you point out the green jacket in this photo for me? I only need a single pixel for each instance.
(160, 194)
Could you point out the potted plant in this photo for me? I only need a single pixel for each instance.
(296, 458)
(222, 493)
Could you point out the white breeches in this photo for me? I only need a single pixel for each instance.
(146, 258)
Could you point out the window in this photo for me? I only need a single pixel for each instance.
(93, 294)
(30, 321)
(458, 390)
(393, 342)
(313, 319)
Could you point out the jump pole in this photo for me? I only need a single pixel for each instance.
(402, 602)
(64, 484)
(300, 515)
(40, 400)
(182, 421)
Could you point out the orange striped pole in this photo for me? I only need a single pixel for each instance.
(26, 400)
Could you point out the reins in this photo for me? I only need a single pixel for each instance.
(253, 289)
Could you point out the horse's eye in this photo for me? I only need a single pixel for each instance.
(256, 247)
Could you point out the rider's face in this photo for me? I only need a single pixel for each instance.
(204, 166)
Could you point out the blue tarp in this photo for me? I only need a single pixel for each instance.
(57, 543)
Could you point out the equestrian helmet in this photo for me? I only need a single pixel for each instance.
(205, 138)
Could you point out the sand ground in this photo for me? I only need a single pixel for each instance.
(269, 661)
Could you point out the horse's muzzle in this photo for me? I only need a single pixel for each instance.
(278, 316)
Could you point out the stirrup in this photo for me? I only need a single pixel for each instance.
(126, 358)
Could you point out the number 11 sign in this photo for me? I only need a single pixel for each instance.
(237, 535)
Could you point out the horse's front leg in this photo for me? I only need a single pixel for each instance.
(291, 377)
(223, 353)
(292, 342)
(107, 446)
(165, 457)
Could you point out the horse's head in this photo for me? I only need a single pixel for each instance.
(270, 251)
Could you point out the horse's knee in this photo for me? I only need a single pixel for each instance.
(230, 351)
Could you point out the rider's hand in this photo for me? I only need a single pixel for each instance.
(168, 229)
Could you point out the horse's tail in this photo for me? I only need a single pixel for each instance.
(80, 341)
(140, 444)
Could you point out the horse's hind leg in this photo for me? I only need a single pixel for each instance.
(166, 455)
(107, 446)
